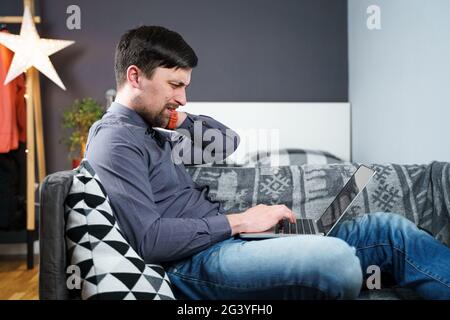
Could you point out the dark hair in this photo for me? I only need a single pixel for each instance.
(149, 47)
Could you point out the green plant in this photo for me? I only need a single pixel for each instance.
(78, 119)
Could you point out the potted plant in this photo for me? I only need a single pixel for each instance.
(78, 119)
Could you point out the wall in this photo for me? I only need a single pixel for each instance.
(253, 50)
(399, 80)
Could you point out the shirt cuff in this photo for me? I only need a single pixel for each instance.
(219, 228)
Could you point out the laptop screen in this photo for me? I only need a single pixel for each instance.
(344, 199)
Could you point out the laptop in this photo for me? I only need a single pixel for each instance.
(329, 219)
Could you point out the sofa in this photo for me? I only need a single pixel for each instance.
(419, 192)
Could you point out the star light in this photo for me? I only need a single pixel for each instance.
(32, 51)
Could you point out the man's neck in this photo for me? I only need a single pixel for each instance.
(125, 100)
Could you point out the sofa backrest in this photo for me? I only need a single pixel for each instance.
(52, 245)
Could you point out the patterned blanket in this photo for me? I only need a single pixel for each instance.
(421, 193)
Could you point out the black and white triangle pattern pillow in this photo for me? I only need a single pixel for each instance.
(109, 267)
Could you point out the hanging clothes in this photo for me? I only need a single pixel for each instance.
(12, 105)
(12, 147)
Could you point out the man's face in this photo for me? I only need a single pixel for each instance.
(161, 94)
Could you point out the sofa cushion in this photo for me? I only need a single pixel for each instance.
(108, 267)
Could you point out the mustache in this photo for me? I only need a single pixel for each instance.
(172, 106)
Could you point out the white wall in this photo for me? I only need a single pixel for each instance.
(272, 126)
(399, 81)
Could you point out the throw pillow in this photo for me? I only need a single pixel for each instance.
(109, 267)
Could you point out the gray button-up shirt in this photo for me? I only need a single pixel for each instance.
(162, 212)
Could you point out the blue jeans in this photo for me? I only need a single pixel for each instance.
(315, 267)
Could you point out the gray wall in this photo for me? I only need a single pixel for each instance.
(252, 50)
(399, 80)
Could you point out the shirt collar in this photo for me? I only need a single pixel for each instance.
(120, 109)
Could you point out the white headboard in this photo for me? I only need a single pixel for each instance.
(316, 126)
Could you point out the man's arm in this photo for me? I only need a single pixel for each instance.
(206, 139)
(122, 167)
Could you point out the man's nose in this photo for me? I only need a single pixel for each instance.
(180, 97)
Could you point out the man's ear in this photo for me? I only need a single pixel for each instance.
(133, 76)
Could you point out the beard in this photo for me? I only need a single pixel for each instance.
(158, 119)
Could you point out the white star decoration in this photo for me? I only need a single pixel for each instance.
(32, 51)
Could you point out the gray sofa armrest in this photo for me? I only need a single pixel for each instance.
(52, 273)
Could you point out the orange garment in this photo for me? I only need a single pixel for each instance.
(172, 125)
(12, 106)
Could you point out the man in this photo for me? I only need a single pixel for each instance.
(168, 219)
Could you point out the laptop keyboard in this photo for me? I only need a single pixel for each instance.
(303, 226)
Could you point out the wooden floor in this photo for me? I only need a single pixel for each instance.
(16, 281)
